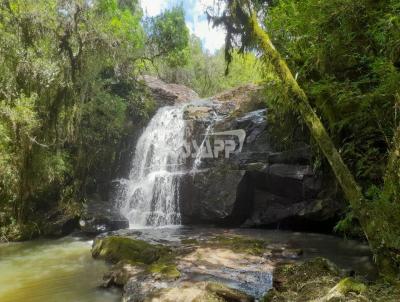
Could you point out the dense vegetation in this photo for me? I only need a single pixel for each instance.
(336, 62)
(68, 94)
(205, 72)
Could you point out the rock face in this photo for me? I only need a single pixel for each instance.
(168, 94)
(257, 185)
(101, 216)
(210, 196)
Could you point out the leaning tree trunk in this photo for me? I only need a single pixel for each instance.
(351, 189)
(392, 177)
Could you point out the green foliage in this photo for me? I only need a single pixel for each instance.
(68, 95)
(168, 37)
(205, 72)
(341, 53)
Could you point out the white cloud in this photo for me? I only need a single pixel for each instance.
(212, 38)
(153, 7)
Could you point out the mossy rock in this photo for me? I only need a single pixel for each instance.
(343, 288)
(165, 270)
(240, 244)
(318, 280)
(115, 249)
(287, 275)
(307, 281)
(227, 293)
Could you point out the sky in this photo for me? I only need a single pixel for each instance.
(196, 20)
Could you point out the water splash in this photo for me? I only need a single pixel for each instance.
(151, 195)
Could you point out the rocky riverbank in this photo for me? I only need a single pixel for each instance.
(214, 265)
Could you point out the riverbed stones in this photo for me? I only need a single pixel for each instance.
(212, 268)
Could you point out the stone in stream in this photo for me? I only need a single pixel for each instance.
(221, 268)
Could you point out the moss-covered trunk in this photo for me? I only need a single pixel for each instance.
(351, 189)
(392, 178)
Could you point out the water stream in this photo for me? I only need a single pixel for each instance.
(52, 271)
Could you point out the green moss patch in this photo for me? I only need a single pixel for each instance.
(320, 280)
(227, 293)
(167, 270)
(156, 259)
(239, 244)
(115, 249)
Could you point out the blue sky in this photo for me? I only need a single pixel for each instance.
(196, 20)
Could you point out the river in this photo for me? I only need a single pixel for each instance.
(52, 271)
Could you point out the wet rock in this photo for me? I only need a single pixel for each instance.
(211, 196)
(250, 274)
(101, 216)
(258, 185)
(228, 294)
(142, 290)
(185, 292)
(121, 273)
(115, 249)
(300, 156)
(60, 224)
(197, 113)
(271, 209)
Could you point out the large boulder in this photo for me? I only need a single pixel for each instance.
(115, 249)
(168, 94)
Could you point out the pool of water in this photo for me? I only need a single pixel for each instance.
(63, 270)
(52, 271)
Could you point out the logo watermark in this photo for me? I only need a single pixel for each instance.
(216, 145)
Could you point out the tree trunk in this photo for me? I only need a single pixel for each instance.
(352, 191)
(392, 178)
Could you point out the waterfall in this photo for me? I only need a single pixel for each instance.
(150, 197)
(199, 154)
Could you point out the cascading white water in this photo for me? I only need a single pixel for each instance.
(151, 195)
